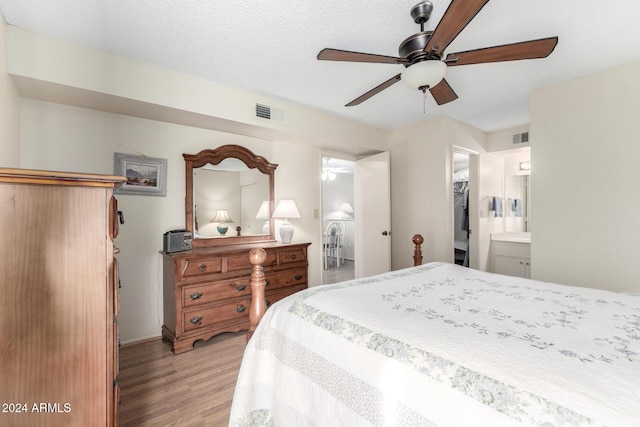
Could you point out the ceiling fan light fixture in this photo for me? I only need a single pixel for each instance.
(424, 74)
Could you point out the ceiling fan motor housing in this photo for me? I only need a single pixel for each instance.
(412, 48)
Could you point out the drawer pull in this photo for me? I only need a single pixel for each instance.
(298, 276)
(196, 320)
(241, 308)
(266, 282)
(202, 268)
(196, 295)
(294, 256)
(241, 288)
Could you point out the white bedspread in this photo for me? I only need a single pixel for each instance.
(443, 345)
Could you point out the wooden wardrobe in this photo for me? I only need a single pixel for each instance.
(58, 299)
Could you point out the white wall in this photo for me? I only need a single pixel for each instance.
(422, 191)
(59, 137)
(9, 105)
(52, 70)
(585, 190)
(491, 184)
(503, 139)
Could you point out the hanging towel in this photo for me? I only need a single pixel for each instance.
(516, 207)
(497, 206)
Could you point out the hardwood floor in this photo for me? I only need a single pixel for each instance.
(334, 274)
(195, 388)
(158, 388)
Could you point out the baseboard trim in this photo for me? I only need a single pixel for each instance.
(140, 340)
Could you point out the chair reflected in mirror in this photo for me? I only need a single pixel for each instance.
(333, 241)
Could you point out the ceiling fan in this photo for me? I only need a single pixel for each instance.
(422, 53)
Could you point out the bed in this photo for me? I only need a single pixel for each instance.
(442, 345)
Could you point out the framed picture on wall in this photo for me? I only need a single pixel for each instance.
(146, 176)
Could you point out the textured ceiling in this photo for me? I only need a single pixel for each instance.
(270, 47)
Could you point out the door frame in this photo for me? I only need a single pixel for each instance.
(473, 203)
(331, 155)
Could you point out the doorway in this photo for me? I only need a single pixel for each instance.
(338, 220)
(465, 212)
(461, 208)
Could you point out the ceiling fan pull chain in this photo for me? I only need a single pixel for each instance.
(424, 101)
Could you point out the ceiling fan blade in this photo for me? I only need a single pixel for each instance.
(374, 91)
(443, 93)
(509, 52)
(328, 54)
(455, 18)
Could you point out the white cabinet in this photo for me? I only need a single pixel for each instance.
(511, 258)
(512, 266)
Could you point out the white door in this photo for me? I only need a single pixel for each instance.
(373, 215)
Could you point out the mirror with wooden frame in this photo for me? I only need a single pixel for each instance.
(229, 196)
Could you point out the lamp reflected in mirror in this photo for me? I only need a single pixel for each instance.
(347, 210)
(263, 213)
(222, 218)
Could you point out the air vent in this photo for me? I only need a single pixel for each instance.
(268, 113)
(263, 111)
(521, 138)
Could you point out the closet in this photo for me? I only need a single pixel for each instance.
(461, 208)
(59, 298)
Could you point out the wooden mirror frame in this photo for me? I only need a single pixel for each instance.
(215, 157)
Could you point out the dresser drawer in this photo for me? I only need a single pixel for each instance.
(292, 255)
(280, 279)
(241, 261)
(195, 295)
(272, 297)
(199, 267)
(196, 319)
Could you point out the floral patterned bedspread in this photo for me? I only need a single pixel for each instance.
(443, 345)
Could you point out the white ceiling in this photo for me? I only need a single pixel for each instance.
(270, 47)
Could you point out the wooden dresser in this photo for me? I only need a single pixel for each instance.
(58, 299)
(206, 290)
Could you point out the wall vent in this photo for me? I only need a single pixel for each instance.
(520, 138)
(263, 111)
(268, 113)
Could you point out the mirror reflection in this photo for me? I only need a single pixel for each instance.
(517, 203)
(229, 195)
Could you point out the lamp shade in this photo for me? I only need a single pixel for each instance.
(346, 207)
(263, 212)
(424, 75)
(286, 209)
(222, 217)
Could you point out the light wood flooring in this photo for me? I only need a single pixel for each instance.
(334, 274)
(158, 388)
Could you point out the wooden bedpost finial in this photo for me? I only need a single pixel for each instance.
(257, 257)
(417, 252)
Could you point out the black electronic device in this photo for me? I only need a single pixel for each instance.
(176, 240)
